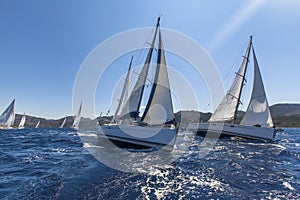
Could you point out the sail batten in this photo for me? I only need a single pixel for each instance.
(258, 112)
(228, 107)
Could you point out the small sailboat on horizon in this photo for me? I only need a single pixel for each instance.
(257, 122)
(156, 127)
(63, 122)
(7, 118)
(77, 118)
(37, 125)
(22, 122)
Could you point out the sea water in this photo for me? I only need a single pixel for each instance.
(57, 164)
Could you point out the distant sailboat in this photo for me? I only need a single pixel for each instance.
(22, 122)
(63, 123)
(257, 122)
(77, 118)
(7, 118)
(37, 125)
(157, 126)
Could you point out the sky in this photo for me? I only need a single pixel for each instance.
(44, 43)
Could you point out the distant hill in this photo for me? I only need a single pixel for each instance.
(31, 121)
(280, 110)
(284, 115)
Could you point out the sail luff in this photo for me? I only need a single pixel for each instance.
(133, 104)
(258, 112)
(228, 107)
(160, 96)
(125, 91)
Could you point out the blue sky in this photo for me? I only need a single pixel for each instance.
(43, 43)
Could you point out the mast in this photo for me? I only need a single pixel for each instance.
(147, 62)
(246, 61)
(228, 107)
(160, 96)
(124, 91)
(134, 102)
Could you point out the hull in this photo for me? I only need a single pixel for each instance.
(223, 130)
(138, 137)
(6, 127)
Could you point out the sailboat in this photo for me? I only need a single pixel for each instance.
(7, 118)
(156, 127)
(37, 125)
(257, 122)
(22, 122)
(77, 119)
(63, 123)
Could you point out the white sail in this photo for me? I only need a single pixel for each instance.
(63, 123)
(124, 94)
(258, 112)
(7, 118)
(159, 109)
(77, 118)
(132, 106)
(37, 125)
(226, 110)
(22, 122)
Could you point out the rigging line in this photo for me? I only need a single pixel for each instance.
(140, 57)
(239, 101)
(143, 76)
(228, 79)
(242, 77)
(235, 65)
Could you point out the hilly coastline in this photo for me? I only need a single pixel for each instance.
(284, 115)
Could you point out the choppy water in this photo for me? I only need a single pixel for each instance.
(55, 164)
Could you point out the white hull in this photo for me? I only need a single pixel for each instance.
(249, 132)
(144, 136)
(6, 127)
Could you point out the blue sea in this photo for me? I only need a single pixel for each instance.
(61, 164)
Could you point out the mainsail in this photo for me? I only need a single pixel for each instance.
(63, 123)
(77, 118)
(159, 109)
(22, 122)
(258, 112)
(132, 106)
(7, 118)
(227, 109)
